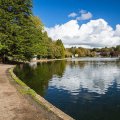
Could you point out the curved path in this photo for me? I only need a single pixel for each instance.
(14, 106)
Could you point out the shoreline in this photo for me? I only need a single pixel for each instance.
(83, 59)
(48, 60)
(37, 98)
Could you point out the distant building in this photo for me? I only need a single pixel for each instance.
(34, 58)
(73, 56)
(76, 55)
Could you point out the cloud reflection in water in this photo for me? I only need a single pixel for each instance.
(95, 77)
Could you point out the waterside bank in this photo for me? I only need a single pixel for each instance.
(17, 106)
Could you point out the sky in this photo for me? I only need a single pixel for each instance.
(86, 23)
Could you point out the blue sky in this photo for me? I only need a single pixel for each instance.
(58, 12)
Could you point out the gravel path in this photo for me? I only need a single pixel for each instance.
(14, 106)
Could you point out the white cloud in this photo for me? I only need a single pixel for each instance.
(73, 14)
(85, 16)
(82, 11)
(82, 15)
(96, 33)
(117, 31)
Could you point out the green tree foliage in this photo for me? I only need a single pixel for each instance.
(45, 47)
(38, 23)
(103, 52)
(61, 48)
(22, 35)
(108, 52)
(68, 53)
(81, 52)
(16, 29)
(56, 49)
(117, 48)
(41, 42)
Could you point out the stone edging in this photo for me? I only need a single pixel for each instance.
(27, 90)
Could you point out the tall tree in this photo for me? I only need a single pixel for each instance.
(16, 29)
(61, 48)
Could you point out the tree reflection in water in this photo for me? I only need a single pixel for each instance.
(37, 75)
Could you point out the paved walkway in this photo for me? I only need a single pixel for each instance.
(14, 106)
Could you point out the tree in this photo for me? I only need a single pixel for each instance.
(45, 47)
(22, 35)
(38, 23)
(117, 48)
(61, 48)
(16, 29)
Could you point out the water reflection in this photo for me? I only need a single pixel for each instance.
(85, 90)
(93, 76)
(37, 75)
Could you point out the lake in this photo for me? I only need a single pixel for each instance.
(85, 88)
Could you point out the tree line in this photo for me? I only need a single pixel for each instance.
(108, 52)
(22, 34)
(94, 52)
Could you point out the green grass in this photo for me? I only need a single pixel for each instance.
(16, 78)
(24, 88)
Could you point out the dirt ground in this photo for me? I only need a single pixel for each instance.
(14, 106)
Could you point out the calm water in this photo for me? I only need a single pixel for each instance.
(86, 89)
